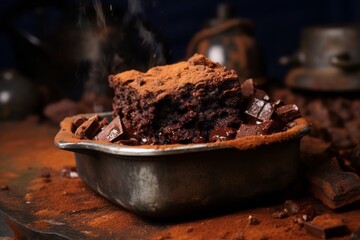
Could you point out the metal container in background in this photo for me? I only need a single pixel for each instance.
(17, 96)
(230, 41)
(329, 59)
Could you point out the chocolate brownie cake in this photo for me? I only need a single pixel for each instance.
(191, 102)
(179, 103)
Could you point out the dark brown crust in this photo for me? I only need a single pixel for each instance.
(160, 81)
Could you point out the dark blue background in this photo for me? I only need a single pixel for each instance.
(278, 23)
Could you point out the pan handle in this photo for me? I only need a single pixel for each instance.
(344, 62)
(297, 58)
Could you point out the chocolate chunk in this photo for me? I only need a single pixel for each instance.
(280, 214)
(255, 129)
(89, 128)
(355, 235)
(247, 88)
(220, 134)
(259, 110)
(254, 108)
(288, 113)
(78, 121)
(253, 220)
(326, 226)
(291, 207)
(266, 112)
(112, 132)
(332, 186)
(307, 212)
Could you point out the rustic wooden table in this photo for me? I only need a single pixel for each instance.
(41, 203)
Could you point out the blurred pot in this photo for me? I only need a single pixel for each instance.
(230, 41)
(329, 59)
(17, 96)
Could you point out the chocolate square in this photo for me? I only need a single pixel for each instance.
(112, 132)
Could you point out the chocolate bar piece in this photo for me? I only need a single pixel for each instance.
(89, 128)
(259, 110)
(112, 132)
(78, 121)
(221, 134)
(255, 129)
(247, 88)
(288, 112)
(332, 186)
(326, 226)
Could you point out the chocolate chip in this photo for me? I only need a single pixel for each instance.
(253, 220)
(112, 132)
(326, 226)
(220, 134)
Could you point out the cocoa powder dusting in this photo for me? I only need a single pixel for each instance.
(69, 206)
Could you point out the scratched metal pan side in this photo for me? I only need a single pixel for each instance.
(181, 184)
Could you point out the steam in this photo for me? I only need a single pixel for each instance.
(100, 17)
(155, 50)
(110, 48)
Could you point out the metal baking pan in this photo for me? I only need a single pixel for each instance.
(173, 180)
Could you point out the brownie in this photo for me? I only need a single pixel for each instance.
(178, 103)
